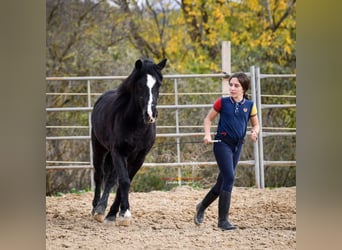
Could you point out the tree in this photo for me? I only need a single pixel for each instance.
(260, 32)
(85, 38)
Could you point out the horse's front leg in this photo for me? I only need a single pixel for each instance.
(124, 214)
(114, 209)
(132, 168)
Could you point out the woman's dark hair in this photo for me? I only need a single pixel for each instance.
(243, 80)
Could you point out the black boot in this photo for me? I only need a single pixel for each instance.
(223, 211)
(200, 208)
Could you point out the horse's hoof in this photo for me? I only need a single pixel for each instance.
(110, 219)
(124, 220)
(99, 217)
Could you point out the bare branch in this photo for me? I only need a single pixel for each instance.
(269, 14)
(273, 25)
(285, 15)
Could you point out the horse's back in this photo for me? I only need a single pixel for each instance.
(104, 99)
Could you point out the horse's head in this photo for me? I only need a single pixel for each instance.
(148, 79)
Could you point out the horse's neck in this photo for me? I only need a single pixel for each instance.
(132, 114)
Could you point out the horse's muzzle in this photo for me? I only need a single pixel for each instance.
(150, 118)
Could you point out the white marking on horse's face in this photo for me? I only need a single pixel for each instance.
(151, 81)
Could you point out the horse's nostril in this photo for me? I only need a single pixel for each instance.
(150, 120)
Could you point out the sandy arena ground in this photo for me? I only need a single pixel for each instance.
(164, 220)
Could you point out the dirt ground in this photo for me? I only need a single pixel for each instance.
(266, 219)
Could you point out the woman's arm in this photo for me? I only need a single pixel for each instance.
(207, 124)
(255, 127)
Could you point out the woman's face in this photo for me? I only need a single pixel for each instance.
(235, 88)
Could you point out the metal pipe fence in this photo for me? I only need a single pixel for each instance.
(258, 162)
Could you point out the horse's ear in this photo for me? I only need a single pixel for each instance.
(162, 64)
(138, 64)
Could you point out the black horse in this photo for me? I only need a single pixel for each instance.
(123, 132)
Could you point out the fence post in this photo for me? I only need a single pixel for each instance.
(177, 131)
(260, 137)
(90, 145)
(226, 65)
(255, 145)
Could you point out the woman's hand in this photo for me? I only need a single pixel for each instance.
(255, 128)
(207, 139)
(207, 123)
(254, 135)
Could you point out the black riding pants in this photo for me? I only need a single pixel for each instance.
(227, 154)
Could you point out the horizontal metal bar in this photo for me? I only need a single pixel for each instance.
(265, 106)
(180, 126)
(183, 164)
(158, 127)
(279, 128)
(85, 137)
(168, 126)
(72, 94)
(280, 163)
(84, 78)
(160, 94)
(264, 134)
(179, 76)
(69, 109)
(179, 134)
(190, 93)
(167, 164)
(159, 107)
(60, 167)
(176, 76)
(277, 75)
(165, 135)
(184, 106)
(64, 162)
(66, 127)
(279, 96)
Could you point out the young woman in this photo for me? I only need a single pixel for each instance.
(234, 113)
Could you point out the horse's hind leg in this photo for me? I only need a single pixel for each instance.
(98, 159)
(98, 177)
(110, 180)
